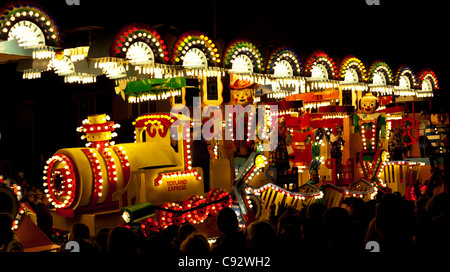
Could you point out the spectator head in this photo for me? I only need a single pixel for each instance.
(436, 184)
(227, 221)
(261, 236)
(315, 210)
(440, 205)
(102, 238)
(122, 240)
(336, 222)
(393, 217)
(184, 231)
(31, 196)
(79, 231)
(195, 244)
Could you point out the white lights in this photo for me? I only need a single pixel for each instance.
(77, 53)
(62, 66)
(43, 52)
(31, 74)
(194, 58)
(80, 78)
(27, 34)
(111, 68)
(318, 71)
(241, 64)
(140, 53)
(283, 68)
(126, 217)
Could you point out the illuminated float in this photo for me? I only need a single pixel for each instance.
(348, 129)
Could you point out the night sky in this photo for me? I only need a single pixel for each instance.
(405, 32)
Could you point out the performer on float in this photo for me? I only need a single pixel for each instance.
(372, 127)
(337, 145)
(279, 158)
(397, 144)
(314, 178)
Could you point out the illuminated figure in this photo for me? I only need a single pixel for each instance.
(372, 127)
(241, 93)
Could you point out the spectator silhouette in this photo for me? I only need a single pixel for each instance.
(8, 240)
(394, 223)
(261, 238)
(338, 231)
(156, 245)
(101, 238)
(44, 217)
(79, 231)
(232, 240)
(196, 244)
(184, 231)
(313, 237)
(439, 234)
(289, 232)
(360, 216)
(122, 240)
(437, 184)
(87, 246)
(439, 205)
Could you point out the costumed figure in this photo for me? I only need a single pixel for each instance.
(314, 178)
(241, 93)
(280, 157)
(314, 174)
(337, 145)
(397, 145)
(372, 127)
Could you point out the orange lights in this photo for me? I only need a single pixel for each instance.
(60, 181)
(195, 216)
(93, 156)
(220, 195)
(169, 216)
(177, 176)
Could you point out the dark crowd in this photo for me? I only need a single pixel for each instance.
(397, 225)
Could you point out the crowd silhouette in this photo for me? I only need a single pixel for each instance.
(396, 224)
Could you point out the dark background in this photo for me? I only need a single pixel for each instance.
(38, 117)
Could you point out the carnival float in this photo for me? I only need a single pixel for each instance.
(279, 130)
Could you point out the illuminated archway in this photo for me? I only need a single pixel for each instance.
(140, 44)
(202, 43)
(320, 57)
(242, 56)
(380, 74)
(284, 62)
(352, 70)
(405, 78)
(30, 25)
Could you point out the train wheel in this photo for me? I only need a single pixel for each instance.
(216, 194)
(198, 215)
(167, 218)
